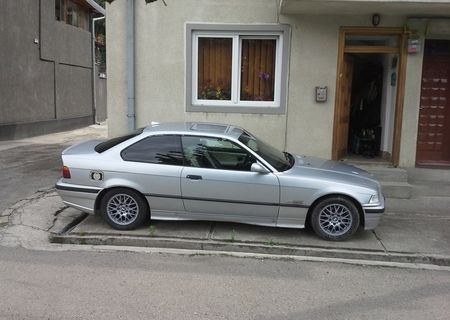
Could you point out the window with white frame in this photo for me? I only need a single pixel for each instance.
(237, 69)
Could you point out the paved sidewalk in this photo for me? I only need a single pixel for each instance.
(401, 237)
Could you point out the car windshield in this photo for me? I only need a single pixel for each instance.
(281, 161)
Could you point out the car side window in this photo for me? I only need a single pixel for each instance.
(215, 153)
(164, 149)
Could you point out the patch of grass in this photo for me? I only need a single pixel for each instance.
(271, 243)
(151, 230)
(232, 235)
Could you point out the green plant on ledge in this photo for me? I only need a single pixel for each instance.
(151, 230)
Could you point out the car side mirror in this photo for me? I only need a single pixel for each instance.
(256, 167)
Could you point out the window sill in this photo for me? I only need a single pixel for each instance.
(235, 109)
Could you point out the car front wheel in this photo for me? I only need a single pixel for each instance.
(124, 209)
(335, 219)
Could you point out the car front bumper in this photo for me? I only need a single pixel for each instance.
(372, 216)
(76, 196)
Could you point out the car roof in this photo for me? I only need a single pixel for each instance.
(196, 127)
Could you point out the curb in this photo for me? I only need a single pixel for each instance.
(252, 248)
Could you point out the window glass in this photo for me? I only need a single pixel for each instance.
(237, 69)
(281, 161)
(108, 144)
(156, 149)
(258, 69)
(214, 68)
(371, 40)
(215, 153)
(72, 13)
(58, 10)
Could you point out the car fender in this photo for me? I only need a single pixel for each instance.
(122, 183)
(362, 196)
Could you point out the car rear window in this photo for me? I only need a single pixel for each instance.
(164, 149)
(108, 144)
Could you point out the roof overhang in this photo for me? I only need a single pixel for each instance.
(422, 8)
(96, 7)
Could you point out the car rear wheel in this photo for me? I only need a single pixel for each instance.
(124, 209)
(335, 219)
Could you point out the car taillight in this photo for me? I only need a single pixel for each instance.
(66, 172)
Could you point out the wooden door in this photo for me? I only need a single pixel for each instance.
(344, 94)
(433, 139)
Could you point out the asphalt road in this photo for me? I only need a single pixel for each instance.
(120, 285)
(29, 165)
(26, 169)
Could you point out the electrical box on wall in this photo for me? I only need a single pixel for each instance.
(321, 94)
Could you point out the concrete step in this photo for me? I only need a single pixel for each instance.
(388, 174)
(423, 205)
(430, 190)
(396, 190)
(393, 180)
(424, 175)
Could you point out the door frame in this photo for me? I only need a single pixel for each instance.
(401, 50)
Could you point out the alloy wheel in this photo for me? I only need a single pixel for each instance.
(335, 219)
(122, 209)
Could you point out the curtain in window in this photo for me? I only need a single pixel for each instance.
(214, 68)
(258, 69)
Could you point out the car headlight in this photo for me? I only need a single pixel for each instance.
(374, 199)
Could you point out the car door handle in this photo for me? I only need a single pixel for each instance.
(193, 177)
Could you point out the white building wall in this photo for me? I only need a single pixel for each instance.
(314, 63)
(116, 61)
(160, 71)
(388, 103)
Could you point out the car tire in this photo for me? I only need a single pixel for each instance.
(335, 219)
(124, 209)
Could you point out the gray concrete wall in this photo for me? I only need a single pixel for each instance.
(45, 69)
(73, 91)
(26, 82)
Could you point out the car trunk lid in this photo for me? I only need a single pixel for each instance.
(85, 148)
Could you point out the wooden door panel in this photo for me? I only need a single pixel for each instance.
(343, 109)
(433, 137)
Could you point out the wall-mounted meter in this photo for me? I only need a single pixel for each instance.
(321, 94)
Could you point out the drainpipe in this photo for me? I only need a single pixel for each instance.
(130, 66)
(94, 74)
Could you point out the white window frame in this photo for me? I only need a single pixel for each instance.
(237, 38)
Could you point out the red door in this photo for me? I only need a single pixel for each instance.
(433, 140)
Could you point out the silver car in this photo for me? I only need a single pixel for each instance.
(202, 171)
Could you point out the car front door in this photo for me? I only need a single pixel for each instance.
(217, 183)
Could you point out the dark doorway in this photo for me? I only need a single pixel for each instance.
(364, 136)
(370, 44)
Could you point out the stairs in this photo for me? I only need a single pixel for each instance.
(415, 188)
(393, 180)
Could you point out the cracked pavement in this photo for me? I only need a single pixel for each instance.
(31, 219)
(29, 169)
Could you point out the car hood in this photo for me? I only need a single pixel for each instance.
(330, 165)
(331, 172)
